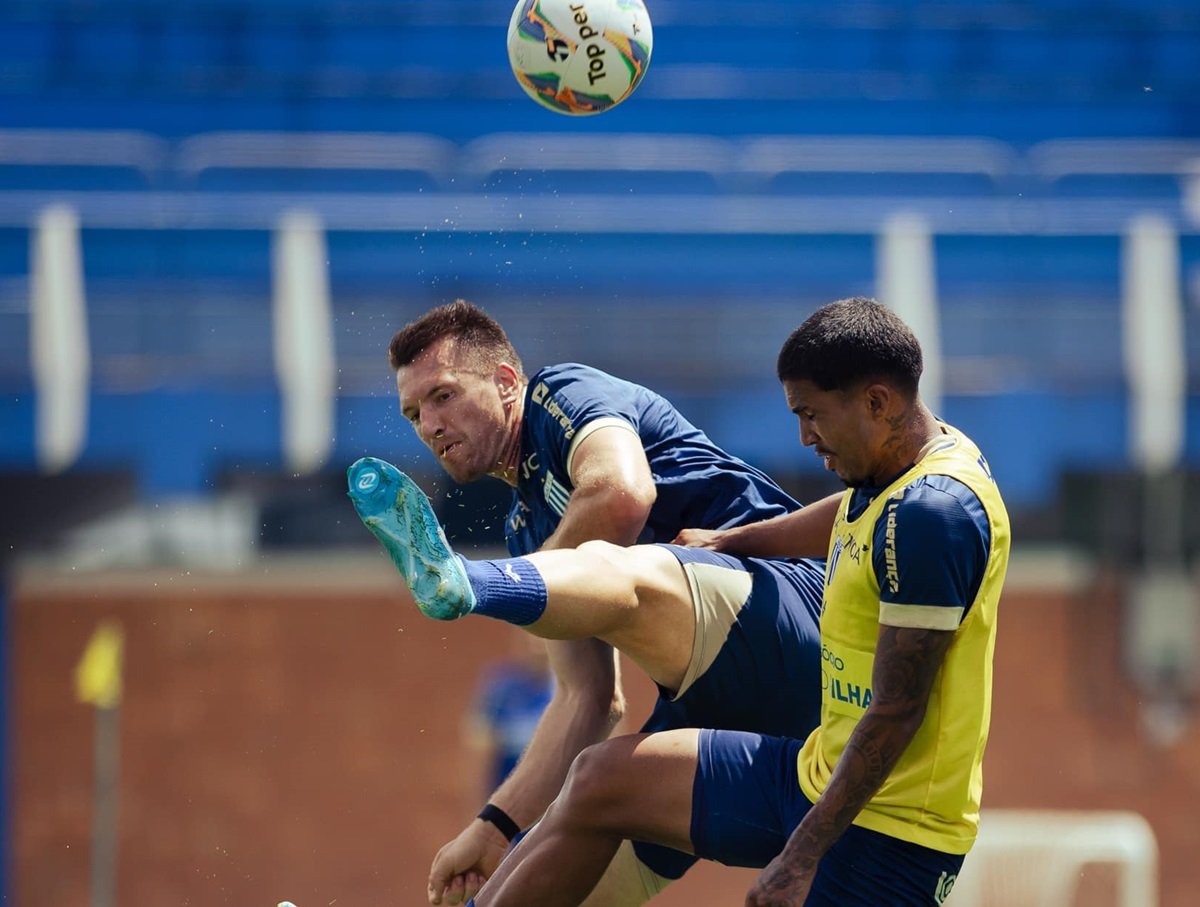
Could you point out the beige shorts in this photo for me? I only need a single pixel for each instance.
(718, 595)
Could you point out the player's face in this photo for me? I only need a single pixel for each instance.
(840, 426)
(460, 413)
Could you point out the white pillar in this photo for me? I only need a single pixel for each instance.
(906, 282)
(1163, 631)
(58, 340)
(303, 331)
(1153, 343)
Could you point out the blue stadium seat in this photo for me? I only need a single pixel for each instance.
(581, 164)
(80, 159)
(310, 161)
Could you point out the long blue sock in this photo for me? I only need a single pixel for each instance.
(508, 589)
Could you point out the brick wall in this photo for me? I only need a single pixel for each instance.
(297, 734)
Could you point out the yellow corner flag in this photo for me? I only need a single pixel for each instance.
(98, 674)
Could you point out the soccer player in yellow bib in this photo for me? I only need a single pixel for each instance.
(881, 803)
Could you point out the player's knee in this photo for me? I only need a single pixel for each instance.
(594, 790)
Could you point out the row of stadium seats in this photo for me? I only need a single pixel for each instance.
(184, 384)
(1015, 70)
(293, 58)
(123, 47)
(1027, 14)
(541, 163)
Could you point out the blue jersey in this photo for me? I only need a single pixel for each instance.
(699, 485)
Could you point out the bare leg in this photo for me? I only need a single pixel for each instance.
(636, 599)
(638, 787)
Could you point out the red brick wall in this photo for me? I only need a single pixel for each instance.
(301, 739)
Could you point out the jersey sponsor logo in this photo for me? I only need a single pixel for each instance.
(541, 396)
(836, 661)
(944, 886)
(839, 688)
(891, 568)
(850, 693)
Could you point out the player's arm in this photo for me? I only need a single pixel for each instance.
(906, 662)
(613, 489)
(612, 495)
(802, 533)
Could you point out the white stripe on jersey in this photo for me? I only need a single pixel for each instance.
(557, 495)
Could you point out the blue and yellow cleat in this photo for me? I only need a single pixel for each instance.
(399, 514)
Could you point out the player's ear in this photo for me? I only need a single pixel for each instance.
(881, 400)
(508, 382)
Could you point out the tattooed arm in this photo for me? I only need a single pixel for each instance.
(906, 662)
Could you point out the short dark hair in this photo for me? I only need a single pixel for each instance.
(470, 325)
(852, 341)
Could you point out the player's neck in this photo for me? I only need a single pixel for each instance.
(509, 463)
(917, 431)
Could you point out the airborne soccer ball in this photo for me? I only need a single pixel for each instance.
(579, 56)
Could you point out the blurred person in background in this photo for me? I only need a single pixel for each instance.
(591, 457)
(509, 701)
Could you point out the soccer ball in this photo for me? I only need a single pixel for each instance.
(579, 56)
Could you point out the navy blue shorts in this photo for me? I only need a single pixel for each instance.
(766, 677)
(746, 801)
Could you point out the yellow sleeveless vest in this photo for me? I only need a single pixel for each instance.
(932, 795)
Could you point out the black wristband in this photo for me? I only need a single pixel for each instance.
(501, 819)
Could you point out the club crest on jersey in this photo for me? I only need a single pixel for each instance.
(831, 567)
(843, 545)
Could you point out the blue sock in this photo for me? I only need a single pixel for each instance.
(508, 589)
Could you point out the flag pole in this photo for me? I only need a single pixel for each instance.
(98, 681)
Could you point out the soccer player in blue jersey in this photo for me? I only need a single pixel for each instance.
(880, 803)
(592, 457)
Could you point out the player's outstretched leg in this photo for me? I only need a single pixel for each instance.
(636, 599)
(399, 514)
